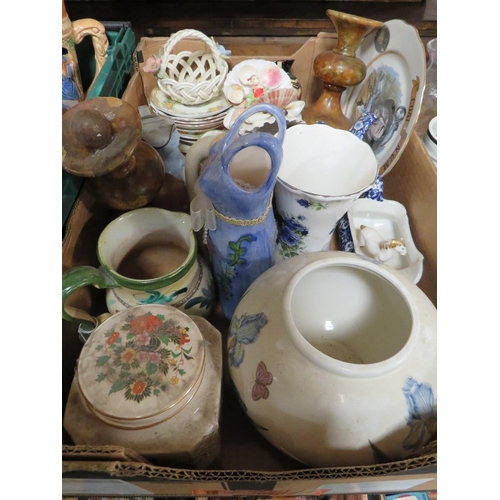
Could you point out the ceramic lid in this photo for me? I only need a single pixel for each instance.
(141, 366)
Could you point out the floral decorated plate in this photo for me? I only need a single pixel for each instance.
(392, 89)
(141, 366)
(172, 108)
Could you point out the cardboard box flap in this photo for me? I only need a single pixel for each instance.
(100, 453)
(135, 469)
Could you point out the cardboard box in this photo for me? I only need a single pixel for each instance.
(248, 464)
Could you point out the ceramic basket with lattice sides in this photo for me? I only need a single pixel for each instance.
(191, 77)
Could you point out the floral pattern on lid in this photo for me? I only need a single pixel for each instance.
(142, 362)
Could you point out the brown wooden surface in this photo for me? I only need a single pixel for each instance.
(249, 17)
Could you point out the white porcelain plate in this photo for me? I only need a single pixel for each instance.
(202, 123)
(175, 109)
(199, 125)
(392, 89)
(390, 220)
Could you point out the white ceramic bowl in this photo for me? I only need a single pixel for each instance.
(334, 360)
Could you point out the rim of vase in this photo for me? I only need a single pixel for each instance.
(332, 364)
(152, 283)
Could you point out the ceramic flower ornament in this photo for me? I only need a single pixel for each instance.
(257, 81)
(152, 64)
(224, 52)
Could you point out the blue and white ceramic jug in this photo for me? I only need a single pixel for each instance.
(239, 181)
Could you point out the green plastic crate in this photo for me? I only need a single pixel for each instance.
(110, 82)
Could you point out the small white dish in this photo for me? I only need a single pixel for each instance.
(390, 220)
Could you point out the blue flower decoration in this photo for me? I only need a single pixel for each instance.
(376, 192)
(303, 203)
(224, 52)
(344, 234)
(422, 410)
(243, 330)
(228, 269)
(296, 226)
(362, 124)
(288, 237)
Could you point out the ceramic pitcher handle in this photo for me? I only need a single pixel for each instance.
(258, 108)
(79, 277)
(97, 31)
(260, 139)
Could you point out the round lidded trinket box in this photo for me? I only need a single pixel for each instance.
(149, 378)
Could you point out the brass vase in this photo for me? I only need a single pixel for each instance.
(339, 69)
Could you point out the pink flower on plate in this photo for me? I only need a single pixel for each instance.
(154, 357)
(143, 357)
(143, 339)
(152, 64)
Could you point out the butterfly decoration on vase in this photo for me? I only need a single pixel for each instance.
(263, 378)
(243, 330)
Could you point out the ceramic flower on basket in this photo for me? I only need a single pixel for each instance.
(152, 65)
(257, 81)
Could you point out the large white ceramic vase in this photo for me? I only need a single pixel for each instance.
(333, 358)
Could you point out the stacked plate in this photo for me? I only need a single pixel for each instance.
(191, 121)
